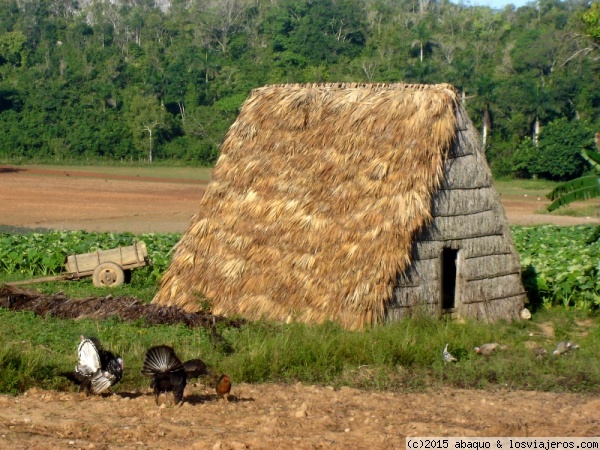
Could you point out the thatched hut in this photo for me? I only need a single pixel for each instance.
(356, 203)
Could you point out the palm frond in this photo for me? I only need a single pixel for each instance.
(576, 195)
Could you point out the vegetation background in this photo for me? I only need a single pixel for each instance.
(163, 80)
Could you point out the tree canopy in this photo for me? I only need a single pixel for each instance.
(129, 80)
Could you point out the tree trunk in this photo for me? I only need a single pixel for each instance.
(536, 131)
(181, 111)
(487, 125)
(150, 150)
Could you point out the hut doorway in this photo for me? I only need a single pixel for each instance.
(449, 274)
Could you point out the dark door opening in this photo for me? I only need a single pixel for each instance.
(449, 270)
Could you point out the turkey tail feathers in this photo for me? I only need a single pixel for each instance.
(161, 359)
(89, 358)
(100, 383)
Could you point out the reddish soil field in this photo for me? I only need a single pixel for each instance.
(63, 199)
(68, 200)
(260, 416)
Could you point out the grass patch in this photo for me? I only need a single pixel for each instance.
(134, 170)
(524, 187)
(401, 356)
(9, 229)
(589, 209)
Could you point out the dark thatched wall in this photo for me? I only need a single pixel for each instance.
(325, 193)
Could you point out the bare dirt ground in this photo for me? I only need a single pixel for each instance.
(68, 200)
(284, 417)
(259, 416)
(63, 199)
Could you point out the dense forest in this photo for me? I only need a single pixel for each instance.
(133, 80)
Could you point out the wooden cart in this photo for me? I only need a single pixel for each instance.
(106, 267)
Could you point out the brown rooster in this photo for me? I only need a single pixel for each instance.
(223, 387)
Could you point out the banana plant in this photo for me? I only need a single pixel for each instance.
(578, 189)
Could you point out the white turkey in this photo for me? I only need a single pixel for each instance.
(97, 369)
(447, 356)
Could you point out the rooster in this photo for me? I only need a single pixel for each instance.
(168, 373)
(223, 387)
(97, 369)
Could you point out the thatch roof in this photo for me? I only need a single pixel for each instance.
(314, 202)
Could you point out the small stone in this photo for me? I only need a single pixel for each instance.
(300, 413)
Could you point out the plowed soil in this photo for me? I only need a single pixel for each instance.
(266, 416)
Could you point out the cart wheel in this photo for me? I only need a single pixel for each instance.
(108, 274)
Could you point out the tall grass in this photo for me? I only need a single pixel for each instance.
(406, 355)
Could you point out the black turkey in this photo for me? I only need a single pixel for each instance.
(97, 369)
(167, 372)
(195, 368)
(163, 365)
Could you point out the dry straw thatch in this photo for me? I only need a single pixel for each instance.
(315, 202)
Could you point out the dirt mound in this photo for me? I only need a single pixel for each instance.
(126, 308)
